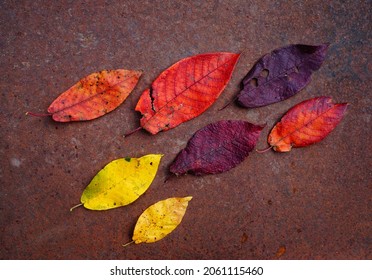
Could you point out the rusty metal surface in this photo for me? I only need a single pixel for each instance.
(311, 203)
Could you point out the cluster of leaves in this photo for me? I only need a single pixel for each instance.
(182, 92)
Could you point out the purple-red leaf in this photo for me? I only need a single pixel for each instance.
(217, 148)
(280, 74)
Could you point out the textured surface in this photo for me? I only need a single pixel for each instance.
(314, 202)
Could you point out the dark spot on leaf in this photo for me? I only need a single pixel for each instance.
(114, 203)
(254, 82)
(150, 163)
(265, 73)
(152, 98)
(127, 159)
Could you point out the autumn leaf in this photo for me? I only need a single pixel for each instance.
(280, 74)
(217, 147)
(93, 96)
(120, 182)
(159, 220)
(306, 123)
(280, 252)
(185, 90)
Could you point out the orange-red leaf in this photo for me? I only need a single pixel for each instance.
(185, 90)
(94, 95)
(306, 123)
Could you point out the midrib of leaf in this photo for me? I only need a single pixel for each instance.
(91, 97)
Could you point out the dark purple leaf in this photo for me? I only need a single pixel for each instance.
(217, 147)
(280, 74)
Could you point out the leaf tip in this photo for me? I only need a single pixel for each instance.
(139, 72)
(262, 126)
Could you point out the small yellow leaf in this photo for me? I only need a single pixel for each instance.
(120, 182)
(160, 219)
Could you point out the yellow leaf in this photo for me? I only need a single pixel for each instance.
(160, 219)
(120, 182)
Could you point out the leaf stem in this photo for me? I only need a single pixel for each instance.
(264, 150)
(228, 103)
(167, 177)
(38, 114)
(76, 206)
(133, 131)
(126, 244)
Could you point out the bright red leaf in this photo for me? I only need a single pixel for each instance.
(306, 123)
(93, 96)
(185, 90)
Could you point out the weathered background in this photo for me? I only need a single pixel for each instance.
(315, 202)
